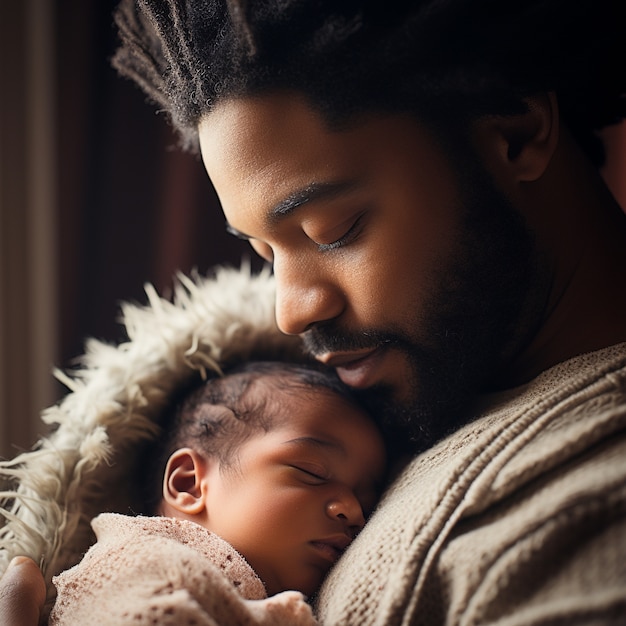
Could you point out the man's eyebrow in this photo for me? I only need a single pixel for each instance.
(310, 193)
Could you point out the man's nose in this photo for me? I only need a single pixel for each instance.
(304, 297)
(346, 508)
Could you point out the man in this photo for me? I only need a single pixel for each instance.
(424, 181)
(436, 142)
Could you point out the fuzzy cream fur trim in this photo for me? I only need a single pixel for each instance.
(51, 493)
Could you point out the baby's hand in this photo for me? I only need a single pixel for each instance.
(283, 609)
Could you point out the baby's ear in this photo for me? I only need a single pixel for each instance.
(183, 482)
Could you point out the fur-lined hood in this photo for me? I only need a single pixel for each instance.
(115, 400)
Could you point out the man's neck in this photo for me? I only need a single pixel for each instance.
(578, 220)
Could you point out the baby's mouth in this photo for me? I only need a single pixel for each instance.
(332, 547)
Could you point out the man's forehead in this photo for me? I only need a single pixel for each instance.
(235, 119)
(272, 152)
(275, 117)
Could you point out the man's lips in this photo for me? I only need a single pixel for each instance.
(356, 368)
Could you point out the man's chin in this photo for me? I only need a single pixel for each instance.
(413, 421)
(396, 417)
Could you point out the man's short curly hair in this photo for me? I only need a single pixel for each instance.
(444, 60)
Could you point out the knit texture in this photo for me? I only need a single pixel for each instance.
(157, 570)
(517, 518)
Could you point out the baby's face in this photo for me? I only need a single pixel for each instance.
(301, 492)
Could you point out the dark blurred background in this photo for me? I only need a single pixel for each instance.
(131, 206)
(95, 200)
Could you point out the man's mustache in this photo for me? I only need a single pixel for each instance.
(325, 337)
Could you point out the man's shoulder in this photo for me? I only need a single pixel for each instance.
(567, 413)
(539, 472)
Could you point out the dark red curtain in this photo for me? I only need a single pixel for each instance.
(132, 207)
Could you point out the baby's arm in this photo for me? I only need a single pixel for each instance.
(155, 580)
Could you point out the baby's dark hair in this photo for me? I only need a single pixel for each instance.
(446, 61)
(220, 414)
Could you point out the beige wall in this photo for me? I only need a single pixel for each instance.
(27, 220)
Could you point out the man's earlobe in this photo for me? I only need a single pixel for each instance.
(183, 485)
(523, 143)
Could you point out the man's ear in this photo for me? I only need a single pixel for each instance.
(183, 482)
(520, 145)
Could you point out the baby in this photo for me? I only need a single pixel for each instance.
(265, 477)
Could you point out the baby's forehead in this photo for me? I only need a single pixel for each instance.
(318, 419)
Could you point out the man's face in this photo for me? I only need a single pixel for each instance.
(404, 273)
(298, 494)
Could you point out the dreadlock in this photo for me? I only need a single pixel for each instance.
(445, 60)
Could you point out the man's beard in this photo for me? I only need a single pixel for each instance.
(486, 302)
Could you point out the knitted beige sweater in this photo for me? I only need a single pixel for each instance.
(158, 570)
(519, 518)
